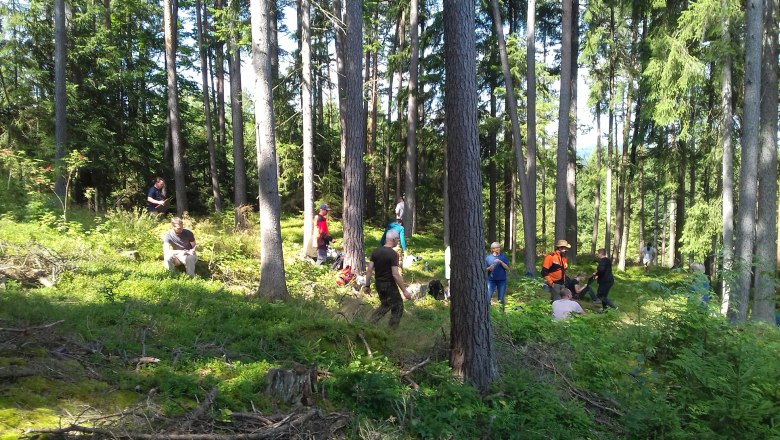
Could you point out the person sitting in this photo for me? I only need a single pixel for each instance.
(562, 308)
(579, 290)
(179, 248)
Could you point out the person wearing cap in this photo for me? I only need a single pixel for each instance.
(605, 278)
(320, 237)
(554, 269)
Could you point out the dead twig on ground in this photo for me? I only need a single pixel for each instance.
(29, 329)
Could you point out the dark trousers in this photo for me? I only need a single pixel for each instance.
(586, 291)
(390, 301)
(603, 292)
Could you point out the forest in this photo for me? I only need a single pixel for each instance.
(607, 125)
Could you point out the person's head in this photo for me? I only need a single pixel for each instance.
(566, 294)
(495, 248)
(392, 236)
(601, 253)
(159, 183)
(399, 221)
(400, 199)
(648, 246)
(324, 208)
(580, 276)
(562, 246)
(177, 225)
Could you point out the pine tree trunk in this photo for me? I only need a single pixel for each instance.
(766, 247)
(410, 180)
(530, 57)
(170, 15)
(727, 167)
(204, 72)
(272, 278)
(308, 128)
(571, 168)
(355, 136)
(340, 74)
(60, 98)
(393, 72)
(597, 196)
(219, 72)
(529, 229)
(562, 154)
(492, 171)
(471, 354)
(608, 192)
(237, 118)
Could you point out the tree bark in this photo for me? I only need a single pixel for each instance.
(492, 136)
(529, 229)
(170, 15)
(204, 73)
(308, 129)
(571, 166)
(60, 98)
(410, 178)
(237, 117)
(471, 355)
(561, 201)
(597, 196)
(766, 247)
(272, 278)
(219, 72)
(355, 137)
(393, 72)
(727, 129)
(530, 59)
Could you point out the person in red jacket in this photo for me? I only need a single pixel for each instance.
(321, 235)
(554, 269)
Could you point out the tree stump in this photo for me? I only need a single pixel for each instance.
(294, 386)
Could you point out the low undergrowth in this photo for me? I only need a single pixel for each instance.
(118, 340)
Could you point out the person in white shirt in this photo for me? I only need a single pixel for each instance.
(562, 308)
(399, 209)
(648, 255)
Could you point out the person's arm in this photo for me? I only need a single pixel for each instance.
(600, 269)
(489, 267)
(369, 271)
(154, 201)
(403, 240)
(399, 281)
(191, 251)
(503, 264)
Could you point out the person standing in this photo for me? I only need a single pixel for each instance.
(399, 209)
(320, 236)
(179, 248)
(562, 308)
(605, 278)
(155, 199)
(497, 265)
(648, 255)
(554, 269)
(400, 247)
(384, 260)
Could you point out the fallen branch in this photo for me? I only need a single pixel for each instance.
(203, 408)
(411, 370)
(368, 349)
(27, 329)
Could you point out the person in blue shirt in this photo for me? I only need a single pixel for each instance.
(155, 200)
(395, 225)
(497, 265)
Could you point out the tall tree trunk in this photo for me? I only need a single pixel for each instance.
(410, 180)
(308, 129)
(680, 209)
(393, 72)
(471, 350)
(237, 117)
(571, 167)
(530, 59)
(170, 14)
(766, 247)
(204, 74)
(562, 155)
(508, 193)
(219, 72)
(597, 195)
(60, 98)
(446, 198)
(492, 136)
(373, 116)
(529, 229)
(746, 214)
(608, 184)
(671, 249)
(340, 42)
(355, 136)
(272, 278)
(727, 165)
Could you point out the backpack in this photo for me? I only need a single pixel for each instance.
(338, 263)
(345, 276)
(436, 290)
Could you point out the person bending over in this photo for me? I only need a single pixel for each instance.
(179, 248)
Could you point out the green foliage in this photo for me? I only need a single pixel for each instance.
(702, 222)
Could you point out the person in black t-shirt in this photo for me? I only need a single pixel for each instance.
(606, 280)
(580, 289)
(388, 280)
(155, 200)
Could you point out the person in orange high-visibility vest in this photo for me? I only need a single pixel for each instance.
(554, 269)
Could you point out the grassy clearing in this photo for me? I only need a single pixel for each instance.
(664, 366)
